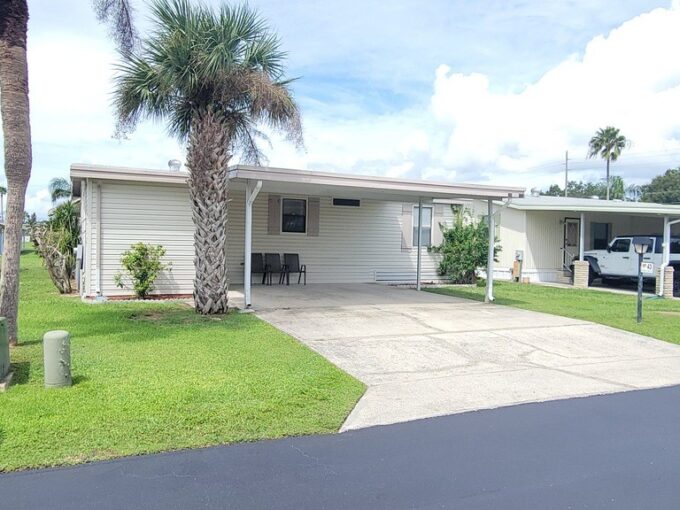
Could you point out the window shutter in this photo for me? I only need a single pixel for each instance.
(274, 215)
(313, 207)
(438, 217)
(406, 226)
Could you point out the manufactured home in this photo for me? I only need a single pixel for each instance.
(345, 228)
(547, 233)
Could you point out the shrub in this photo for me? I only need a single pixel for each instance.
(142, 264)
(464, 248)
(55, 241)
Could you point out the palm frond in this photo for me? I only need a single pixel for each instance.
(195, 60)
(59, 188)
(118, 14)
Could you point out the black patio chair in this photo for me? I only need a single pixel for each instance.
(291, 261)
(257, 265)
(272, 264)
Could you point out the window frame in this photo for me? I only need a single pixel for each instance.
(608, 228)
(414, 217)
(628, 239)
(306, 201)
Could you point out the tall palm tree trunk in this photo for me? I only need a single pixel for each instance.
(14, 108)
(607, 178)
(207, 160)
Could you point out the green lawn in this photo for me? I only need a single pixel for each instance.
(661, 316)
(155, 376)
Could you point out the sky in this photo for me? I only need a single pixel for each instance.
(491, 91)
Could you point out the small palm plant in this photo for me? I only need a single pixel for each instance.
(607, 143)
(59, 188)
(215, 78)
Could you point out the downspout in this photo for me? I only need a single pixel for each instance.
(251, 195)
(488, 295)
(420, 241)
(98, 282)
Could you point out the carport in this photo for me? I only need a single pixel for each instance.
(559, 230)
(254, 181)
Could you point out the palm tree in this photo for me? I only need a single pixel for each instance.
(214, 77)
(14, 109)
(608, 144)
(17, 137)
(59, 188)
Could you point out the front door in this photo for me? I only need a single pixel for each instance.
(571, 236)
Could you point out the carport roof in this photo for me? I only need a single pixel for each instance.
(568, 204)
(281, 180)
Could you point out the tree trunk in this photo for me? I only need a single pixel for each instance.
(17, 131)
(207, 160)
(607, 178)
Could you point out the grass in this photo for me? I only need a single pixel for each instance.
(155, 376)
(661, 317)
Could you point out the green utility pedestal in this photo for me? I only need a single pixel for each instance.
(57, 354)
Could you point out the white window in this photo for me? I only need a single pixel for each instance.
(426, 233)
(294, 215)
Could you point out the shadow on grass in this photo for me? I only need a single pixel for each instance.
(22, 372)
(77, 379)
(26, 343)
(478, 297)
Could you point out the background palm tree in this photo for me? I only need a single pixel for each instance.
(3, 192)
(214, 77)
(59, 188)
(607, 143)
(14, 109)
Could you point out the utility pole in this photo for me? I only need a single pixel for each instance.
(566, 172)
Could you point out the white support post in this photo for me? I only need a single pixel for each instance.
(581, 236)
(666, 254)
(488, 298)
(252, 191)
(420, 241)
(666, 241)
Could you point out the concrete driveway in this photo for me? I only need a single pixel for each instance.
(423, 355)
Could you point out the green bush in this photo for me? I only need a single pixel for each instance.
(464, 248)
(142, 264)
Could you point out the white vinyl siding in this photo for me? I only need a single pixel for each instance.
(353, 243)
(136, 212)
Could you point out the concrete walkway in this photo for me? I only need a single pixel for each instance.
(423, 355)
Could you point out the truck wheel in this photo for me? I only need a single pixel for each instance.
(591, 276)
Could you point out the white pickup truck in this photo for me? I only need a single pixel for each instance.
(619, 261)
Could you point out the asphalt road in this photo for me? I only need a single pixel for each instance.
(617, 451)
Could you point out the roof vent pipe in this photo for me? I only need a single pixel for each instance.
(174, 165)
(535, 192)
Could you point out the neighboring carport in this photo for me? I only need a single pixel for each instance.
(256, 180)
(616, 217)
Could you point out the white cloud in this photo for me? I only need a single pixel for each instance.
(629, 79)
(474, 132)
(39, 203)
